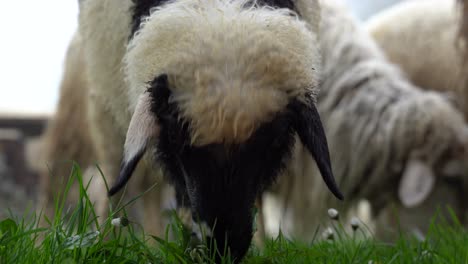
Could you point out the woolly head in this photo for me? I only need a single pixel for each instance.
(223, 86)
(230, 66)
(439, 154)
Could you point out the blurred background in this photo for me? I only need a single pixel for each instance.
(35, 39)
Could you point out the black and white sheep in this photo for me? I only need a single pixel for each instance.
(389, 140)
(215, 89)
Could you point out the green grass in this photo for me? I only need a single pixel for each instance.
(75, 236)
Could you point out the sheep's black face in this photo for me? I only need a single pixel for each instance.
(220, 182)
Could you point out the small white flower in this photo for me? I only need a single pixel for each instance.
(119, 222)
(328, 233)
(370, 262)
(355, 223)
(116, 221)
(333, 214)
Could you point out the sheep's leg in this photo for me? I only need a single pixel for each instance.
(53, 181)
(109, 148)
(67, 136)
(153, 222)
(45, 201)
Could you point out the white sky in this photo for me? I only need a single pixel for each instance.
(34, 39)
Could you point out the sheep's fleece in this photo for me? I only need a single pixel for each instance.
(221, 87)
(389, 140)
(431, 28)
(444, 70)
(67, 136)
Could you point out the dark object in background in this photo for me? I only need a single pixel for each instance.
(16, 133)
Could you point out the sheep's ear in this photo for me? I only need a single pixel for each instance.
(309, 127)
(143, 127)
(416, 184)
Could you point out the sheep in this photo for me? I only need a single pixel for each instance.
(389, 140)
(463, 28)
(432, 63)
(66, 136)
(438, 64)
(218, 91)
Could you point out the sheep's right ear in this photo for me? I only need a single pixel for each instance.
(416, 183)
(143, 127)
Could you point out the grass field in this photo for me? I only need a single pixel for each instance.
(75, 236)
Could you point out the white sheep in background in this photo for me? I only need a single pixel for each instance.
(216, 90)
(424, 43)
(463, 26)
(389, 140)
(426, 39)
(66, 137)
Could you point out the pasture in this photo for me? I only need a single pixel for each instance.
(75, 236)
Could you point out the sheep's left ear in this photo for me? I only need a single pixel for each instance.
(143, 127)
(416, 184)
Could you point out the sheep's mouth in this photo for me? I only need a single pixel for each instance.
(220, 181)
